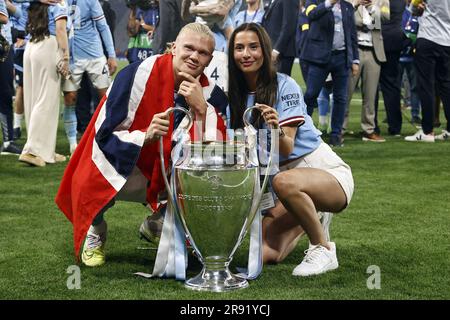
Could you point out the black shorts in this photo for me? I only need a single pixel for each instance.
(18, 66)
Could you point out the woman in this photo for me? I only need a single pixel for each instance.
(312, 178)
(46, 58)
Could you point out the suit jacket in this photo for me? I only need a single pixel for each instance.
(280, 22)
(380, 14)
(168, 26)
(319, 41)
(393, 35)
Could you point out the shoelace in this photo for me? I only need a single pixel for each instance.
(313, 253)
(93, 240)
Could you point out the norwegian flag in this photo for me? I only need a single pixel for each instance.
(113, 144)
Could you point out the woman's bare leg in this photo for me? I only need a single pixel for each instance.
(303, 192)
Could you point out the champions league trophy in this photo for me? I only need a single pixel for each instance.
(215, 193)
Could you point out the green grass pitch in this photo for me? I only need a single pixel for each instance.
(398, 223)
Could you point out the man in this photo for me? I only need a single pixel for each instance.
(168, 25)
(432, 62)
(118, 156)
(368, 17)
(280, 21)
(8, 146)
(89, 30)
(394, 41)
(330, 47)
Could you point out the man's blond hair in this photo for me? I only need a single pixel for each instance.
(198, 28)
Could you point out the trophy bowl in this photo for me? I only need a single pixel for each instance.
(215, 193)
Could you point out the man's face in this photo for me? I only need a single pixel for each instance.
(192, 53)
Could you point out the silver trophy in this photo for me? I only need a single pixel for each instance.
(215, 193)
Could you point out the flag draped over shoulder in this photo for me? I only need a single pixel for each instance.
(113, 143)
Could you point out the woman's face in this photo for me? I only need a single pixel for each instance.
(248, 53)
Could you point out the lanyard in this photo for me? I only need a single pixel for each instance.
(253, 18)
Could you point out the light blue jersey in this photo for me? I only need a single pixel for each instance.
(291, 110)
(90, 28)
(19, 20)
(5, 28)
(3, 8)
(245, 17)
(58, 11)
(219, 36)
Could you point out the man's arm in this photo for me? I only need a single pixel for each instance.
(3, 13)
(13, 10)
(105, 33)
(315, 10)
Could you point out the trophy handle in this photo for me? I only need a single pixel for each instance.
(266, 175)
(161, 154)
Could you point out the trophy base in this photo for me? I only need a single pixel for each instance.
(216, 281)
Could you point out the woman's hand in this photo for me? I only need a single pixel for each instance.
(269, 114)
(63, 67)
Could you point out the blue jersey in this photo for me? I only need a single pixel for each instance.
(149, 16)
(245, 17)
(19, 20)
(89, 24)
(3, 8)
(291, 110)
(5, 28)
(58, 11)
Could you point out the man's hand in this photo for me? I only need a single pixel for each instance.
(220, 9)
(158, 127)
(355, 69)
(365, 3)
(192, 91)
(333, 2)
(19, 43)
(112, 65)
(275, 56)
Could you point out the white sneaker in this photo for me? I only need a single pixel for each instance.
(420, 136)
(317, 260)
(445, 135)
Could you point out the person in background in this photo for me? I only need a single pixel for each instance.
(19, 20)
(432, 62)
(280, 22)
(89, 31)
(168, 26)
(369, 15)
(330, 47)
(410, 25)
(394, 40)
(253, 12)
(46, 59)
(8, 146)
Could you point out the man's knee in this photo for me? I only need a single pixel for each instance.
(70, 98)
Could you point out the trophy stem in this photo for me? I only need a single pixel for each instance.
(216, 277)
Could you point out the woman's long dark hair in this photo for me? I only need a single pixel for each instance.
(37, 24)
(266, 84)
